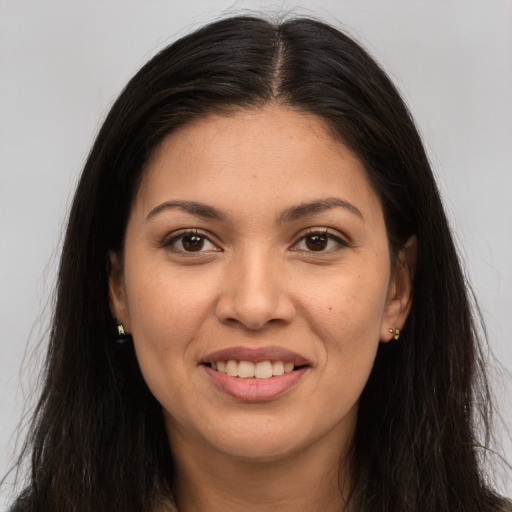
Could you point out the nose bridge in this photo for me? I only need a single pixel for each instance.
(255, 289)
(254, 277)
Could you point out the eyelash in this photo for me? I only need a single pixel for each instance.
(311, 232)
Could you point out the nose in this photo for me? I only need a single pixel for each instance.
(255, 292)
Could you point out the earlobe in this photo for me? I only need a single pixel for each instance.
(116, 290)
(400, 293)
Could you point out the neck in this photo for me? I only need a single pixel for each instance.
(315, 479)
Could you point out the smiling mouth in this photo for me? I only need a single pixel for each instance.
(249, 370)
(255, 374)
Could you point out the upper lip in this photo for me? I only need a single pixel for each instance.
(255, 355)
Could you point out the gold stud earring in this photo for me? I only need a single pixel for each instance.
(395, 332)
(121, 334)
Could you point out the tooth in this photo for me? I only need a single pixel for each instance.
(277, 368)
(232, 368)
(246, 369)
(263, 370)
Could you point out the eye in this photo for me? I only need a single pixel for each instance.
(190, 242)
(319, 241)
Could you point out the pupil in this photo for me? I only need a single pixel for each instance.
(316, 242)
(193, 243)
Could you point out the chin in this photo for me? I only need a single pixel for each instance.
(262, 440)
(259, 449)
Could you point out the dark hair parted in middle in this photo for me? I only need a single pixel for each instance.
(99, 439)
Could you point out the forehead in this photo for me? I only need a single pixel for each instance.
(276, 153)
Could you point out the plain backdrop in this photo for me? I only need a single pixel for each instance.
(63, 63)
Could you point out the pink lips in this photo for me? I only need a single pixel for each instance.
(256, 390)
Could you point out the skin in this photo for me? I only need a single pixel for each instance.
(256, 282)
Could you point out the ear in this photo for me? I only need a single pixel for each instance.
(117, 291)
(399, 299)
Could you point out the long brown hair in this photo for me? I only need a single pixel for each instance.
(98, 440)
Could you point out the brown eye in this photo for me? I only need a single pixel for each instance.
(316, 242)
(320, 241)
(192, 243)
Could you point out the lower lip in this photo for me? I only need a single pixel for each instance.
(256, 390)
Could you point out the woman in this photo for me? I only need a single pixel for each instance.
(260, 306)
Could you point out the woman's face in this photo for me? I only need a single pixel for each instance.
(256, 244)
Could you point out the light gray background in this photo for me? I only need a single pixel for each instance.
(63, 63)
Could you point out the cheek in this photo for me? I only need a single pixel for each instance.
(166, 301)
(345, 312)
(347, 307)
(166, 312)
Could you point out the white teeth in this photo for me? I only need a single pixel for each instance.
(263, 370)
(277, 368)
(288, 367)
(249, 370)
(245, 369)
(232, 368)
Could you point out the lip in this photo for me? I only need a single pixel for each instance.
(256, 354)
(256, 390)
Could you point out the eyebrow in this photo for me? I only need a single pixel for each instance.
(289, 215)
(303, 210)
(192, 207)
